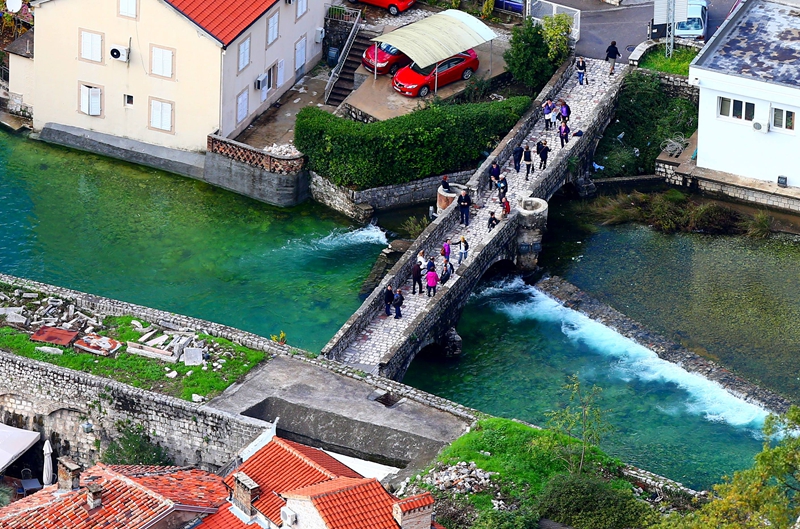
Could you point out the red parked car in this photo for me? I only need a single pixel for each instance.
(390, 59)
(395, 7)
(414, 81)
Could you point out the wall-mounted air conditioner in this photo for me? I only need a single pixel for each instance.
(261, 81)
(119, 53)
(760, 127)
(288, 516)
(319, 35)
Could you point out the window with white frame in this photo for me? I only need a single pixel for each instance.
(272, 33)
(302, 7)
(127, 8)
(161, 117)
(161, 61)
(242, 105)
(91, 98)
(91, 46)
(736, 109)
(782, 119)
(244, 54)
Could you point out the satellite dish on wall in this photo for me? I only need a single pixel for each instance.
(14, 5)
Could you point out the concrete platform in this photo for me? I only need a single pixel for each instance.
(276, 124)
(321, 408)
(377, 98)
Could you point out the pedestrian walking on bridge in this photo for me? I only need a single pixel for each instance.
(416, 277)
(432, 279)
(612, 54)
(388, 298)
(464, 203)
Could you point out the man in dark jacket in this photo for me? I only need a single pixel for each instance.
(502, 187)
(416, 277)
(612, 53)
(492, 221)
(464, 203)
(388, 298)
(517, 154)
(494, 174)
(543, 155)
(397, 303)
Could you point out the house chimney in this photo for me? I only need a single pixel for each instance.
(245, 492)
(94, 495)
(414, 512)
(69, 474)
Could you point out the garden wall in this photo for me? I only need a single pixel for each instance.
(674, 85)
(361, 205)
(254, 173)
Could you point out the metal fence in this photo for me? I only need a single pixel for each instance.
(538, 9)
(348, 15)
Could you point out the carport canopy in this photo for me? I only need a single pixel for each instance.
(13, 443)
(438, 37)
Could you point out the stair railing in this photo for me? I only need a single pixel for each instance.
(344, 14)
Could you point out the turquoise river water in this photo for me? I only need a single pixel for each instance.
(140, 235)
(143, 236)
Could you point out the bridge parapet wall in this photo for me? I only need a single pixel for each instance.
(433, 323)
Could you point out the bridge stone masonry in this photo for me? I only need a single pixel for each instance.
(386, 346)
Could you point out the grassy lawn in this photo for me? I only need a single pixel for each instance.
(146, 373)
(677, 64)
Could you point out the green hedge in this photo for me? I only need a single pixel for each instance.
(432, 141)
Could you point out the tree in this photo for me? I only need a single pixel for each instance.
(765, 495)
(135, 447)
(556, 30)
(583, 419)
(527, 57)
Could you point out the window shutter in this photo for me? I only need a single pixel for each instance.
(155, 114)
(244, 54)
(94, 102)
(86, 45)
(127, 8)
(241, 107)
(162, 62)
(280, 73)
(84, 99)
(166, 116)
(97, 47)
(273, 29)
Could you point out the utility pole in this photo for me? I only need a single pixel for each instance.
(670, 44)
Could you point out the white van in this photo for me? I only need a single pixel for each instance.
(696, 21)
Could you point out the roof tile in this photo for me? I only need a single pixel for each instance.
(223, 19)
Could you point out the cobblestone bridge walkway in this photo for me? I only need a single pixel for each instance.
(385, 333)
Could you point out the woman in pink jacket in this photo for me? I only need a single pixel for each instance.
(433, 279)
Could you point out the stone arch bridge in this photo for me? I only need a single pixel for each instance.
(386, 346)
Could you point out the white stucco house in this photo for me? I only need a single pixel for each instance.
(749, 82)
(165, 73)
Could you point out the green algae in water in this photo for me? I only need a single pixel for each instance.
(731, 299)
(132, 233)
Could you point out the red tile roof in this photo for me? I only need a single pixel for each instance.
(223, 19)
(223, 519)
(128, 501)
(283, 465)
(358, 505)
(416, 502)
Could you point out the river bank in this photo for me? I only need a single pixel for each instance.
(572, 297)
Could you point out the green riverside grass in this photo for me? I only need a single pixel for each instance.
(139, 371)
(524, 458)
(656, 59)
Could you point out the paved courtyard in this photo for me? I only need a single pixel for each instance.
(385, 333)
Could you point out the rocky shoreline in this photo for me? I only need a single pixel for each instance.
(572, 297)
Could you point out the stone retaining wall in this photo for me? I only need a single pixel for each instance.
(729, 190)
(55, 402)
(277, 180)
(361, 205)
(572, 297)
(674, 85)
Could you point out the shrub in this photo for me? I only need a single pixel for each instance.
(517, 519)
(488, 7)
(135, 447)
(759, 226)
(6, 493)
(431, 141)
(556, 30)
(527, 56)
(585, 502)
(414, 226)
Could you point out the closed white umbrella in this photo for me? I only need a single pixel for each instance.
(47, 475)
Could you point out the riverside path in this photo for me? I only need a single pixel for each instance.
(370, 347)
